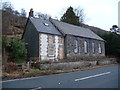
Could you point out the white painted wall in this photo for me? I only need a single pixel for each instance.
(43, 47)
(56, 47)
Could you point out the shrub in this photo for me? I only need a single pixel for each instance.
(18, 52)
(11, 67)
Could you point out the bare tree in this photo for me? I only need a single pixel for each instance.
(80, 14)
(16, 13)
(7, 11)
(7, 6)
(43, 16)
(115, 29)
(23, 12)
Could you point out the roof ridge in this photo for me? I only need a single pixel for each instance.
(79, 31)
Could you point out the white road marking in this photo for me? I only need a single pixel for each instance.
(92, 76)
(36, 88)
(40, 76)
(20, 79)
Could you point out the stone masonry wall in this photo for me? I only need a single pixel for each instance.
(75, 65)
(45, 52)
(81, 54)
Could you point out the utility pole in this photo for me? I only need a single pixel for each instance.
(119, 14)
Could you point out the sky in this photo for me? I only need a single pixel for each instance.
(98, 13)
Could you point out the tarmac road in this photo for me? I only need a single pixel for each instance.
(105, 77)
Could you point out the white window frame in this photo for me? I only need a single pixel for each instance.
(85, 46)
(75, 46)
(51, 50)
(99, 48)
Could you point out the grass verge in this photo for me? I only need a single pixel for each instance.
(37, 72)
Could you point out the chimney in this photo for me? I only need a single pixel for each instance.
(31, 13)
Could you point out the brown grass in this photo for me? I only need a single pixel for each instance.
(37, 72)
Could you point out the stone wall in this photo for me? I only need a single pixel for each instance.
(81, 53)
(74, 65)
(51, 47)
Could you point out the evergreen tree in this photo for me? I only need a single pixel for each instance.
(70, 17)
(112, 44)
(18, 52)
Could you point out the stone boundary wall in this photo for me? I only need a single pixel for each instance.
(74, 65)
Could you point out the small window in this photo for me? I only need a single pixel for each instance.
(60, 40)
(93, 47)
(100, 49)
(46, 24)
(85, 46)
(51, 39)
(75, 46)
(51, 50)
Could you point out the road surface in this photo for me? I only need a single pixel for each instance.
(105, 77)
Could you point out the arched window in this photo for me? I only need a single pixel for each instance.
(99, 48)
(85, 46)
(93, 47)
(75, 46)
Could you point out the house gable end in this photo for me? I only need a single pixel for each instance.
(31, 38)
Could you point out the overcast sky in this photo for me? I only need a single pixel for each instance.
(99, 13)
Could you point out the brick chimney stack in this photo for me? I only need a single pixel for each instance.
(31, 13)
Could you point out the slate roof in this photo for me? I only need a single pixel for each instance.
(44, 26)
(75, 30)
